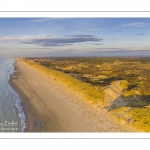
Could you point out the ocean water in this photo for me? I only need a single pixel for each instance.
(12, 116)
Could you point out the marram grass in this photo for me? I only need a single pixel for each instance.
(92, 94)
(124, 84)
(141, 119)
(137, 118)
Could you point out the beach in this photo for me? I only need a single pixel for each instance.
(51, 107)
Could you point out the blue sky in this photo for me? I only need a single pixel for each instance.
(75, 36)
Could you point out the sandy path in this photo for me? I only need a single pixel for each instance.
(50, 107)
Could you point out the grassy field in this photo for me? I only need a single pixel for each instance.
(90, 76)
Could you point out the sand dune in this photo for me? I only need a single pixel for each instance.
(52, 108)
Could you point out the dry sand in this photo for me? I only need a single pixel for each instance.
(52, 108)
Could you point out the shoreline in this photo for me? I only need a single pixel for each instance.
(51, 108)
(29, 112)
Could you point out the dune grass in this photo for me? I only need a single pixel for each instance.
(124, 84)
(137, 118)
(92, 94)
(141, 119)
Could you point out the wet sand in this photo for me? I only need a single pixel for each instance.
(50, 107)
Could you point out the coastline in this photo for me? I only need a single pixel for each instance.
(50, 108)
(30, 115)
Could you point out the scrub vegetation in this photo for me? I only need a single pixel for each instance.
(90, 76)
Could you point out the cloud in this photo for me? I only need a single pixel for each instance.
(115, 53)
(40, 20)
(62, 41)
(109, 49)
(118, 31)
(135, 24)
(140, 34)
(80, 36)
(7, 38)
(11, 38)
(97, 43)
(132, 41)
(97, 29)
(49, 40)
(47, 21)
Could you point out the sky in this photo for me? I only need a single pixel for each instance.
(74, 37)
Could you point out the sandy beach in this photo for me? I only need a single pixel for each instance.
(52, 108)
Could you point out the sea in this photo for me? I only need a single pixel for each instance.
(12, 115)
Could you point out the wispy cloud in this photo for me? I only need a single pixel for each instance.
(135, 24)
(81, 36)
(121, 52)
(96, 43)
(40, 20)
(12, 38)
(110, 48)
(7, 38)
(141, 34)
(66, 40)
(95, 29)
(132, 41)
(118, 31)
(49, 40)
